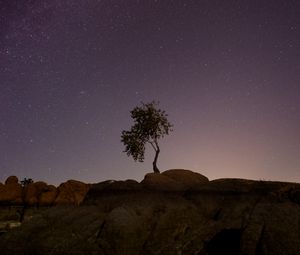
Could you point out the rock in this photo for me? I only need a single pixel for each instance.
(48, 196)
(294, 195)
(30, 196)
(71, 192)
(239, 186)
(128, 185)
(11, 180)
(11, 192)
(40, 187)
(186, 177)
(122, 233)
(154, 181)
(226, 216)
(174, 180)
(40, 194)
(33, 191)
(110, 188)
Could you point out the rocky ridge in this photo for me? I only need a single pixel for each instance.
(175, 212)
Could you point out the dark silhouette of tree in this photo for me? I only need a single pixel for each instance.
(150, 124)
(26, 181)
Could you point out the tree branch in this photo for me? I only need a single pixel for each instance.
(153, 146)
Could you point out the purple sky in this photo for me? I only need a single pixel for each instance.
(226, 72)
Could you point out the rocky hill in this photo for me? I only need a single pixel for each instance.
(175, 212)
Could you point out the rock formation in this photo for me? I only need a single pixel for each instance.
(41, 194)
(189, 215)
(71, 192)
(174, 179)
(33, 191)
(48, 196)
(11, 192)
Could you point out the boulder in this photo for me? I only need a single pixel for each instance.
(123, 232)
(11, 180)
(11, 192)
(33, 191)
(48, 197)
(188, 178)
(71, 192)
(154, 181)
(174, 180)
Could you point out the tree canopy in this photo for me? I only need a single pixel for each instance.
(25, 182)
(150, 125)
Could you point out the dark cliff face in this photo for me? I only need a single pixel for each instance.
(167, 216)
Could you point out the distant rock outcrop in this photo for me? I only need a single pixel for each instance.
(48, 196)
(33, 191)
(11, 192)
(41, 194)
(71, 192)
(11, 180)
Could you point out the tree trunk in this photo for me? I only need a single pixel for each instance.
(155, 168)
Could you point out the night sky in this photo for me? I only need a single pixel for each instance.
(226, 72)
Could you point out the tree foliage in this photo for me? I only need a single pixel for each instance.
(26, 182)
(150, 124)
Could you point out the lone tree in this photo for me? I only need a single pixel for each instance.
(150, 124)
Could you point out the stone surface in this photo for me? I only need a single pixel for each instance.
(11, 180)
(188, 178)
(41, 194)
(124, 185)
(11, 192)
(174, 180)
(71, 192)
(226, 216)
(154, 181)
(33, 191)
(48, 196)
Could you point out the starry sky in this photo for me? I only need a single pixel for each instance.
(226, 72)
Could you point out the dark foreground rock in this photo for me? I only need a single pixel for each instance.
(226, 216)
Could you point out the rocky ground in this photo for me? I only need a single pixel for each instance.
(176, 212)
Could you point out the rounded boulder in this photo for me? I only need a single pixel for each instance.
(187, 178)
(154, 181)
(11, 180)
(48, 197)
(11, 192)
(71, 192)
(33, 191)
